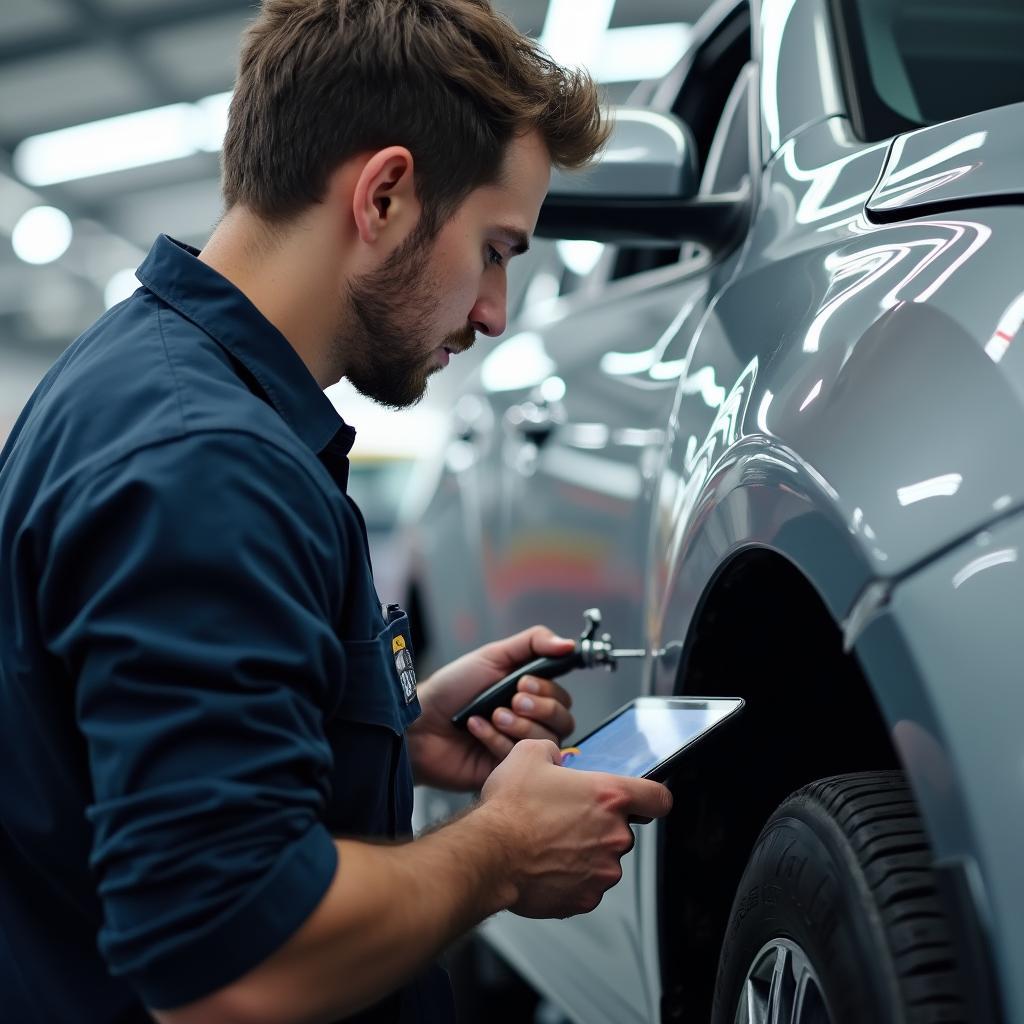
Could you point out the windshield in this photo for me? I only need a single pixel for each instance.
(911, 63)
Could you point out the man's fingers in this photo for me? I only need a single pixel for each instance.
(646, 799)
(496, 743)
(534, 685)
(545, 711)
(518, 727)
(535, 642)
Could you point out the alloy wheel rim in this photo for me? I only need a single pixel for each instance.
(781, 987)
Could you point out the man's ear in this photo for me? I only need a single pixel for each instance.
(384, 199)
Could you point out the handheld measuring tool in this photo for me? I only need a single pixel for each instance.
(591, 651)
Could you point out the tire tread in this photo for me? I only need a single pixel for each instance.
(878, 816)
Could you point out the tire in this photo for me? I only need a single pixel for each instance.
(839, 900)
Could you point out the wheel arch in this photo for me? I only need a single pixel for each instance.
(790, 644)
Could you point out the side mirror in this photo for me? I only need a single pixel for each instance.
(642, 190)
(648, 156)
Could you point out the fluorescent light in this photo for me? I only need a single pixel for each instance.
(119, 287)
(576, 33)
(42, 235)
(214, 111)
(553, 389)
(573, 30)
(519, 362)
(119, 143)
(640, 52)
(580, 256)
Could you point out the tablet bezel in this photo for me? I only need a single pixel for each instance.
(663, 769)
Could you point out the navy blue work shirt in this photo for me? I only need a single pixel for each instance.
(198, 685)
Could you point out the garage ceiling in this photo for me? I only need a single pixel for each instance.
(66, 62)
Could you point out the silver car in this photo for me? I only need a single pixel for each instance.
(776, 437)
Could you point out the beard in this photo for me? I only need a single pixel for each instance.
(389, 345)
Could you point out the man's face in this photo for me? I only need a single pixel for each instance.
(429, 299)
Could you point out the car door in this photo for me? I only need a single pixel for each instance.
(581, 453)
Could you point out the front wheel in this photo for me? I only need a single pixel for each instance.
(837, 918)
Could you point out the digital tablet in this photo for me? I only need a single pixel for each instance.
(645, 737)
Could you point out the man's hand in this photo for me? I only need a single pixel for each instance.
(449, 758)
(564, 831)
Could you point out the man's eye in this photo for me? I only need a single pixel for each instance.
(494, 257)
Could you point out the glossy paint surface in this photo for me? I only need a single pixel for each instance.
(844, 389)
(800, 82)
(947, 653)
(976, 157)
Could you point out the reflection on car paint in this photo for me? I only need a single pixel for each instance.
(619, 364)
(900, 186)
(1005, 556)
(1006, 330)
(937, 487)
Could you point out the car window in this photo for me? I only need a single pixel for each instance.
(728, 165)
(907, 65)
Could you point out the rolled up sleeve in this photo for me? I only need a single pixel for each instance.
(192, 592)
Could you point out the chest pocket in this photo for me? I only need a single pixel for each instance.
(371, 793)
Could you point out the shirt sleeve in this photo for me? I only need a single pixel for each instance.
(191, 592)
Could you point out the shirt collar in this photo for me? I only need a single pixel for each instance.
(173, 272)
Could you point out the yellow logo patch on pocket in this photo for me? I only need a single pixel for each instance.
(398, 644)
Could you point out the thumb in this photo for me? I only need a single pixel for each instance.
(544, 642)
(647, 799)
(535, 642)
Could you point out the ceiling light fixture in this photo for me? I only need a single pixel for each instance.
(123, 142)
(640, 52)
(41, 235)
(573, 31)
(577, 34)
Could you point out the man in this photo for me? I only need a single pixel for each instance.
(209, 727)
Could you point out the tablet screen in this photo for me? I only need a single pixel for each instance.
(642, 737)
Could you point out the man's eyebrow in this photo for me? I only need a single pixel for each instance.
(519, 239)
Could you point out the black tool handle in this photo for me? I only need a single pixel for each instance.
(500, 694)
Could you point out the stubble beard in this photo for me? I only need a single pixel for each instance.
(387, 338)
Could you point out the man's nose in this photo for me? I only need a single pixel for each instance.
(490, 313)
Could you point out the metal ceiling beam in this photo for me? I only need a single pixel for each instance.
(110, 32)
(98, 25)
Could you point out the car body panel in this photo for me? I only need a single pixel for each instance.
(979, 157)
(956, 710)
(842, 389)
(894, 319)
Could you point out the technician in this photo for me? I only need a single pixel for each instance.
(209, 727)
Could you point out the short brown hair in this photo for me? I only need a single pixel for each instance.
(453, 81)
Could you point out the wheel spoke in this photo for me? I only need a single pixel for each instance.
(780, 999)
(810, 1006)
(781, 988)
(753, 1007)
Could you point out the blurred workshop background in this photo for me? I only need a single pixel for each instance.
(111, 119)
